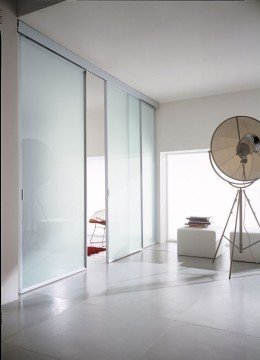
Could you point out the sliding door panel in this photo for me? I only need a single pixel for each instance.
(52, 140)
(123, 173)
(134, 174)
(148, 172)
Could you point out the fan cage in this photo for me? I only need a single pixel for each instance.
(238, 183)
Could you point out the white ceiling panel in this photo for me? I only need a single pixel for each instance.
(168, 50)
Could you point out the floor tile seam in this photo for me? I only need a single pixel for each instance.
(163, 250)
(180, 285)
(13, 335)
(137, 313)
(26, 328)
(31, 351)
(21, 297)
(214, 280)
(226, 271)
(109, 308)
(171, 286)
(177, 320)
(39, 292)
(212, 327)
(56, 281)
(174, 286)
(156, 274)
(155, 341)
(23, 328)
(146, 289)
(186, 284)
(141, 277)
(202, 283)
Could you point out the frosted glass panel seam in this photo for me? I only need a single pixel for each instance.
(148, 174)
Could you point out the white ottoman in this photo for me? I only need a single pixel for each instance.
(246, 255)
(199, 242)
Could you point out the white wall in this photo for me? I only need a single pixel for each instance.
(95, 133)
(9, 155)
(189, 125)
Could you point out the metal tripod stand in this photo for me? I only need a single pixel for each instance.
(239, 219)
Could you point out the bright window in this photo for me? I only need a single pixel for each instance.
(194, 189)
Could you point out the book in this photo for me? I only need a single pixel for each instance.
(199, 222)
(199, 218)
(197, 225)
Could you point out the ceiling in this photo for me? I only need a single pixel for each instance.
(28, 6)
(168, 50)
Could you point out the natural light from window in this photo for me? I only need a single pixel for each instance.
(194, 189)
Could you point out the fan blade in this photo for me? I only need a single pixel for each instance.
(224, 143)
(234, 173)
(225, 148)
(249, 126)
(238, 130)
(226, 161)
(250, 172)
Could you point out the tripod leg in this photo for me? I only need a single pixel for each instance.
(233, 244)
(251, 208)
(214, 258)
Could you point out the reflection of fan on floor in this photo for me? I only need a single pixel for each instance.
(99, 221)
(235, 157)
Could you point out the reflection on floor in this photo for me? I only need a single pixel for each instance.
(150, 305)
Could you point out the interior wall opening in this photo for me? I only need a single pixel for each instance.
(96, 181)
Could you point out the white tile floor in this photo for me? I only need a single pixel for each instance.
(151, 305)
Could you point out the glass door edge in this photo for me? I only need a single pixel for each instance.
(33, 287)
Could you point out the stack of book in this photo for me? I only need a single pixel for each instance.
(198, 221)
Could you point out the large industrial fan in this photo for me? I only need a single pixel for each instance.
(235, 157)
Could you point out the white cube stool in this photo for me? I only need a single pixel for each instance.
(199, 242)
(246, 255)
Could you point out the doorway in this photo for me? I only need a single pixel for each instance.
(95, 166)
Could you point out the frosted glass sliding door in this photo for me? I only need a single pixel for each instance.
(134, 175)
(148, 188)
(123, 173)
(52, 146)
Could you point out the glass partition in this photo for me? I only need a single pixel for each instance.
(148, 172)
(123, 173)
(134, 174)
(52, 144)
